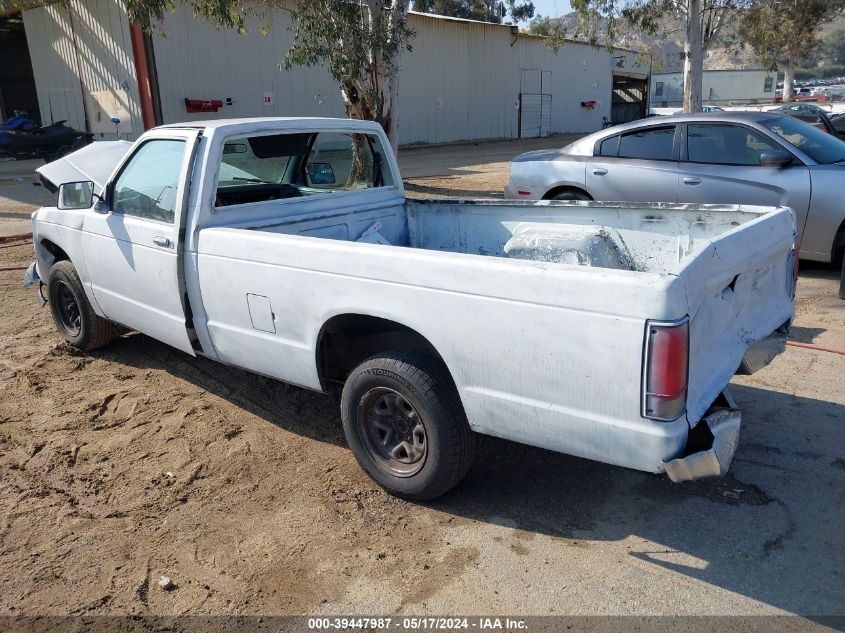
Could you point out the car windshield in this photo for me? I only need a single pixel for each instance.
(820, 146)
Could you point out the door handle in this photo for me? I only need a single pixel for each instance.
(692, 181)
(162, 241)
(599, 171)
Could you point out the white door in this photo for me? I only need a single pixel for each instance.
(132, 249)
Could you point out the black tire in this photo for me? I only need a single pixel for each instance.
(75, 320)
(571, 195)
(422, 394)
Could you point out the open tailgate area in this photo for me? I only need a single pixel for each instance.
(740, 290)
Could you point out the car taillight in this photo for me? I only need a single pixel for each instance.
(665, 373)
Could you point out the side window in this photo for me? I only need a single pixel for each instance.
(651, 144)
(767, 84)
(725, 144)
(345, 162)
(147, 186)
(609, 147)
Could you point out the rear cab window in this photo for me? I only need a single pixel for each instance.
(265, 167)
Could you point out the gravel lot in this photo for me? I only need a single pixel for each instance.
(138, 461)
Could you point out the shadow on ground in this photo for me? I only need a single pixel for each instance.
(769, 530)
(422, 190)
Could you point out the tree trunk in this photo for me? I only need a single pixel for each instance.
(376, 98)
(788, 82)
(391, 114)
(693, 57)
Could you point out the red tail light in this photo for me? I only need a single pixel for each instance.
(665, 374)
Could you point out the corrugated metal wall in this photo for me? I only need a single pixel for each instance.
(81, 46)
(461, 82)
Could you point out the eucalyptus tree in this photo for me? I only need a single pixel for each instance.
(785, 33)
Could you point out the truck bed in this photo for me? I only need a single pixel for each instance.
(544, 333)
(652, 238)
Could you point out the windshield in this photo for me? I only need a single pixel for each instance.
(820, 146)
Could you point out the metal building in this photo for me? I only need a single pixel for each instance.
(719, 87)
(464, 80)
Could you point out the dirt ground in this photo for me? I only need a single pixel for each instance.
(137, 461)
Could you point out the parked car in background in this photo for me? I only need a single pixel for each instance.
(723, 157)
(838, 122)
(705, 108)
(809, 113)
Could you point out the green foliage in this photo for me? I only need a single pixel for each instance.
(482, 10)
(542, 25)
(786, 32)
(833, 49)
(600, 20)
(824, 72)
(228, 14)
(358, 43)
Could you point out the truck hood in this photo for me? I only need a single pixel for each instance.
(94, 162)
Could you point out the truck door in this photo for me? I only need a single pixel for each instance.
(131, 239)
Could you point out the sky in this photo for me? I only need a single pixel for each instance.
(551, 8)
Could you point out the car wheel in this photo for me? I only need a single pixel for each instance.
(571, 195)
(76, 321)
(404, 422)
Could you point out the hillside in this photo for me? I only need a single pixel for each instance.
(666, 48)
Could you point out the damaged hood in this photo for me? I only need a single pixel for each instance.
(94, 162)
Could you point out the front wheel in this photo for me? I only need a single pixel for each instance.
(405, 424)
(75, 319)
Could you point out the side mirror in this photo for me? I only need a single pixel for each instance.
(775, 158)
(76, 195)
(320, 173)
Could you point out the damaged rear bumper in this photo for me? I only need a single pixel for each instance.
(711, 443)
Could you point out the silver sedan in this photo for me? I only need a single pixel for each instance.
(720, 157)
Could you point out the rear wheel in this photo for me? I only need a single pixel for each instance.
(571, 194)
(75, 320)
(405, 424)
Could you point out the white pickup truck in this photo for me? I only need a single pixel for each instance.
(287, 247)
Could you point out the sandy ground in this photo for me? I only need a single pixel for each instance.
(138, 461)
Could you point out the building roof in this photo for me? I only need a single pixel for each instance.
(567, 40)
(291, 122)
